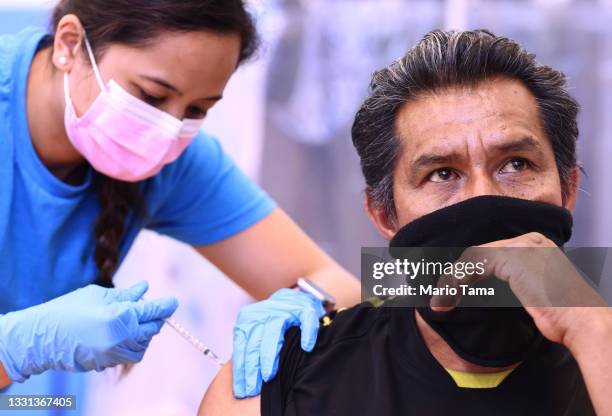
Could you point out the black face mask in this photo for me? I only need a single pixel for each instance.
(495, 336)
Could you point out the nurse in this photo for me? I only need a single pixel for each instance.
(100, 138)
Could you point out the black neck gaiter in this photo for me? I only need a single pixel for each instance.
(486, 336)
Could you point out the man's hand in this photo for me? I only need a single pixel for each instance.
(540, 276)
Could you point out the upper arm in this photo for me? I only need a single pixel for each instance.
(220, 401)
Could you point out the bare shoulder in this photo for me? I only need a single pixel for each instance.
(219, 399)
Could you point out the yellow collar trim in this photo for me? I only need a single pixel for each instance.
(478, 381)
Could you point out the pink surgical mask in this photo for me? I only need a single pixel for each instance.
(124, 137)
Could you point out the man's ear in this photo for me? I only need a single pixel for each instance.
(569, 200)
(383, 221)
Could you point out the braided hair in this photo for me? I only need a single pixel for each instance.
(117, 199)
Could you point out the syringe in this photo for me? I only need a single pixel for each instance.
(194, 341)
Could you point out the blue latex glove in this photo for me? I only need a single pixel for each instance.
(89, 329)
(260, 332)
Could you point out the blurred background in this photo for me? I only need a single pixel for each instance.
(286, 120)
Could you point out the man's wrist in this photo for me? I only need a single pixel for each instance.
(593, 329)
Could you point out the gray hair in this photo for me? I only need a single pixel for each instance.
(445, 59)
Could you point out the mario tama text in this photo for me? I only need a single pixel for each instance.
(431, 290)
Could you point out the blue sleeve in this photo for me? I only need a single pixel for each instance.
(203, 197)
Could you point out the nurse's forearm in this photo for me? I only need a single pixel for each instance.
(339, 283)
(4, 378)
(273, 254)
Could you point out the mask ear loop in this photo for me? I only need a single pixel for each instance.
(94, 65)
(67, 89)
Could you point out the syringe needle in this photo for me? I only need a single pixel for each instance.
(194, 341)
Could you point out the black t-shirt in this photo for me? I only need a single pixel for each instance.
(373, 361)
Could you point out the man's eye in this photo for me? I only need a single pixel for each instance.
(442, 175)
(514, 165)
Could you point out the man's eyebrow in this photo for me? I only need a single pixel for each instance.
(434, 159)
(431, 159)
(171, 87)
(525, 143)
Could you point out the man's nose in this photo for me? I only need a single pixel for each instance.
(481, 184)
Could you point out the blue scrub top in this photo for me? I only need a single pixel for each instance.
(46, 225)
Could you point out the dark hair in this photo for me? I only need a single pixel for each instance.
(135, 23)
(444, 59)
